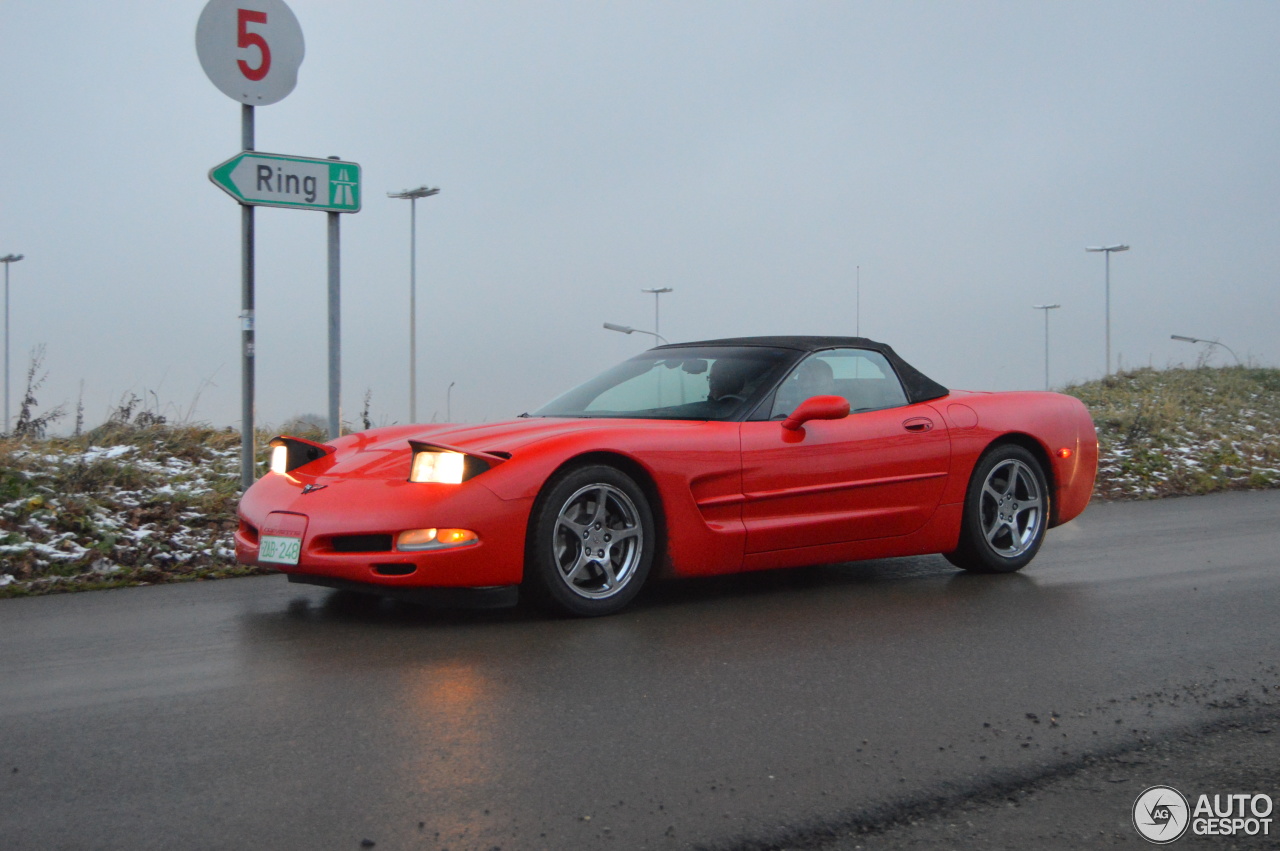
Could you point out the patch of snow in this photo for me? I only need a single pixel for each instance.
(94, 453)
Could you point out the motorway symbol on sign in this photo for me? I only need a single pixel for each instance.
(280, 180)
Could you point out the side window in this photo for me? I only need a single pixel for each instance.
(862, 376)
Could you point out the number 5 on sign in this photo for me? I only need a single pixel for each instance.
(250, 49)
(248, 39)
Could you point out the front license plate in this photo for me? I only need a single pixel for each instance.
(279, 550)
(282, 534)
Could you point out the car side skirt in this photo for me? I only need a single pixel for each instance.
(940, 535)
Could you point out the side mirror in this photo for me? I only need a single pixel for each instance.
(817, 408)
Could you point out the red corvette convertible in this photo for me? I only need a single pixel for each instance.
(687, 460)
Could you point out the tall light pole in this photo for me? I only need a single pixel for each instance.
(1108, 250)
(7, 260)
(1185, 339)
(657, 294)
(448, 402)
(1046, 308)
(413, 195)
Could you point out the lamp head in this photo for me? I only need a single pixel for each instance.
(413, 194)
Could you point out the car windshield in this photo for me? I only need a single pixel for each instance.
(678, 383)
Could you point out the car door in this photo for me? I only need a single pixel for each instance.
(878, 472)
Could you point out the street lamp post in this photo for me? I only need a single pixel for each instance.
(1046, 308)
(627, 329)
(657, 293)
(448, 402)
(1108, 250)
(413, 195)
(857, 306)
(7, 260)
(1185, 339)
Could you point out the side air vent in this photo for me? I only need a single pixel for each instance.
(362, 544)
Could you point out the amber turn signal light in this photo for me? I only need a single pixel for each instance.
(416, 540)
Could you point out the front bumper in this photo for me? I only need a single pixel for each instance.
(368, 514)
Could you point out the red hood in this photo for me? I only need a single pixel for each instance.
(506, 436)
(383, 452)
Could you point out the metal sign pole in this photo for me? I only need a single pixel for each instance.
(335, 326)
(248, 450)
(251, 51)
(5, 430)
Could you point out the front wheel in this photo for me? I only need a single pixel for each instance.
(1006, 513)
(591, 542)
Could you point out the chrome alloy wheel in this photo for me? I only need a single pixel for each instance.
(597, 542)
(1012, 508)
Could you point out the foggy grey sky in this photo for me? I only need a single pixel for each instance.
(750, 155)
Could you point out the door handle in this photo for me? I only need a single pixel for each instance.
(918, 424)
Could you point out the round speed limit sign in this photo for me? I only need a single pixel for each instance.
(251, 49)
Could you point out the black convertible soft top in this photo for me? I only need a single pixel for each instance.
(918, 386)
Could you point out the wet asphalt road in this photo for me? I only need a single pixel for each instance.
(252, 713)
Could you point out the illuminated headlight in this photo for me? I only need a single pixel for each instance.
(279, 458)
(414, 540)
(290, 453)
(447, 464)
(438, 466)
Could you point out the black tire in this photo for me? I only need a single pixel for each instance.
(591, 542)
(1006, 512)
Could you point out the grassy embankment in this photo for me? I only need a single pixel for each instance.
(120, 505)
(131, 503)
(1180, 432)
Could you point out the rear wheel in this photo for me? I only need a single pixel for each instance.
(591, 542)
(1006, 512)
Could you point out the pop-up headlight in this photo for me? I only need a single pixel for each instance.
(279, 457)
(438, 466)
(446, 465)
(290, 453)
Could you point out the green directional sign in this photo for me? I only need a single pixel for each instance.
(279, 180)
